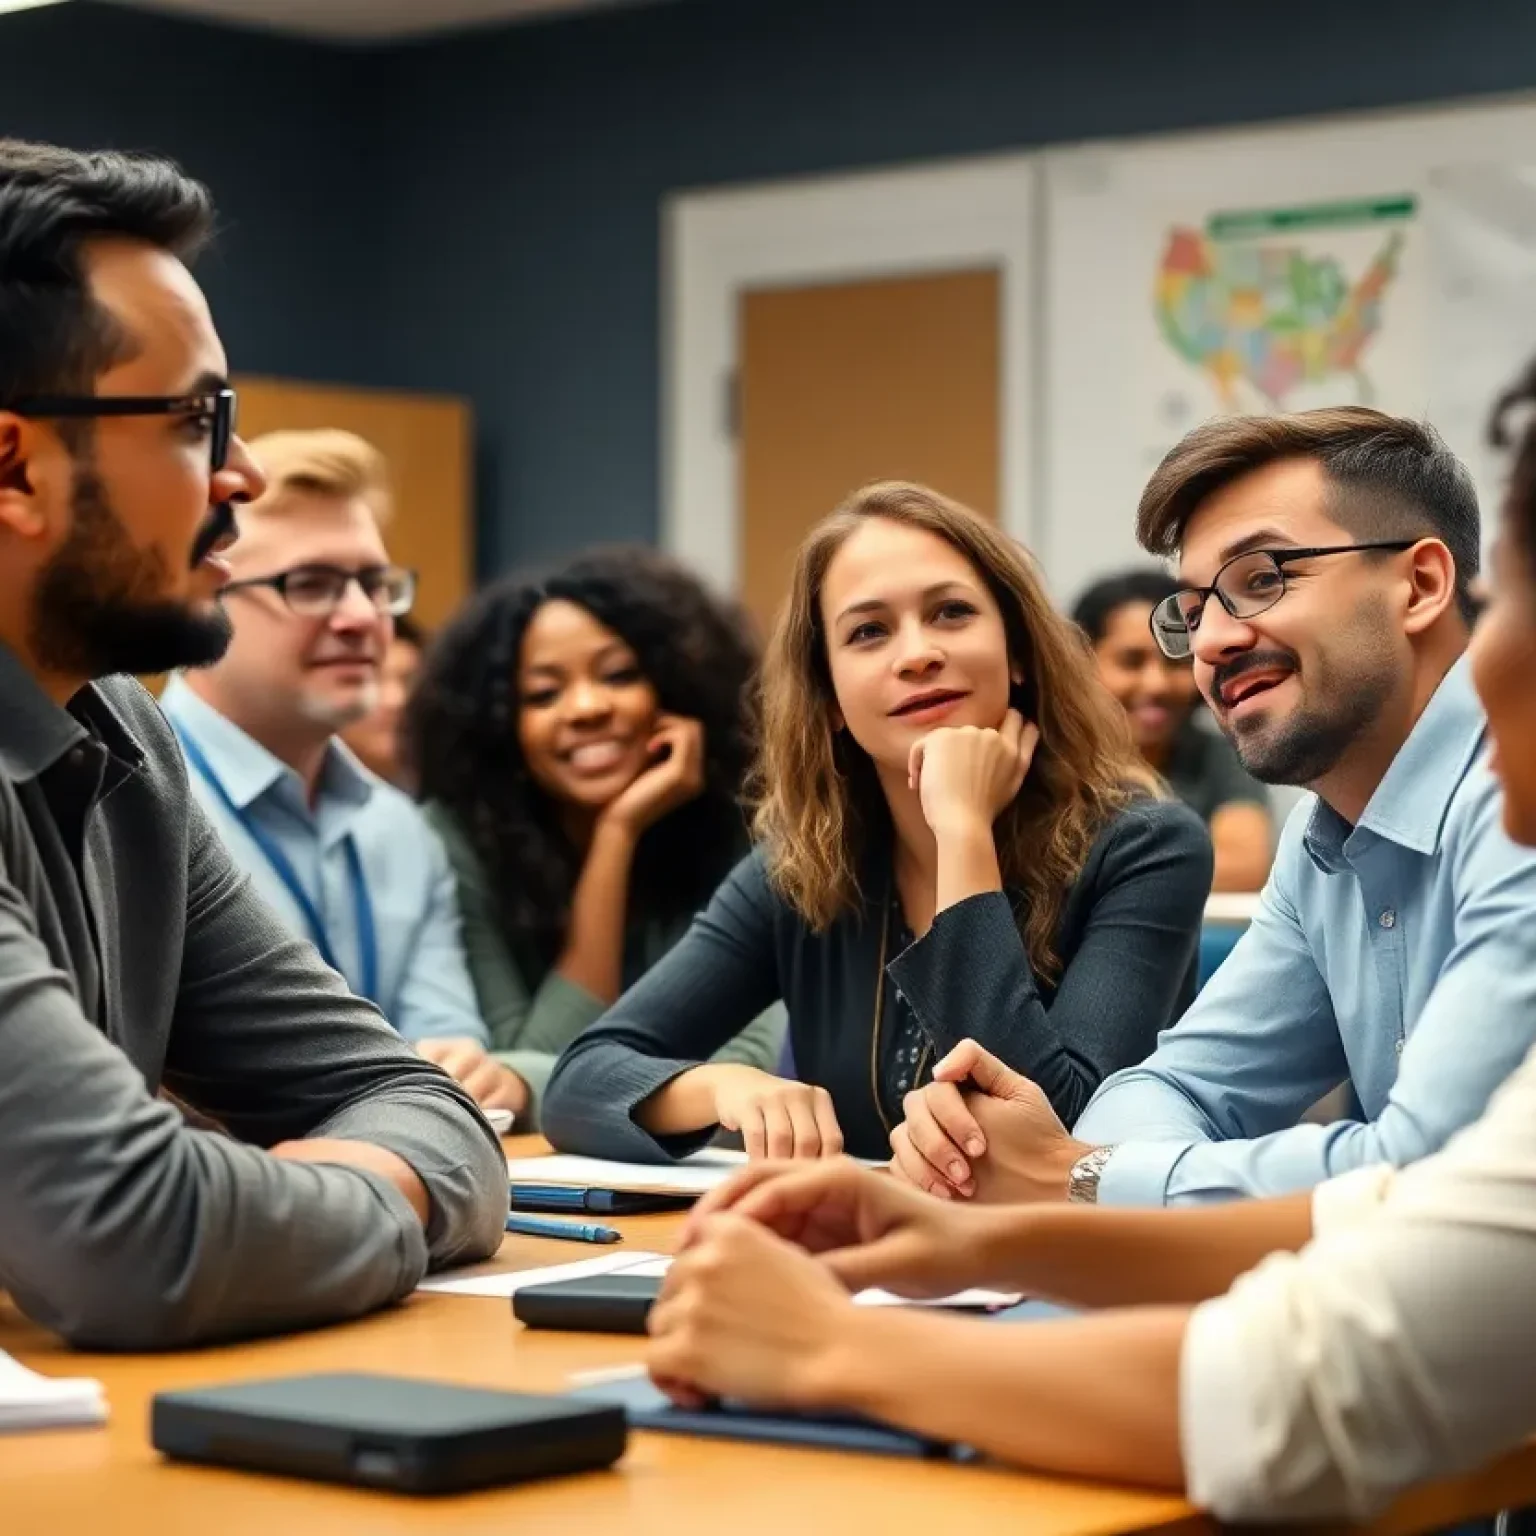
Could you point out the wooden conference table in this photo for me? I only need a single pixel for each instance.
(110, 1481)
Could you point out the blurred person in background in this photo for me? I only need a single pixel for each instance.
(955, 836)
(582, 737)
(376, 738)
(1162, 703)
(345, 859)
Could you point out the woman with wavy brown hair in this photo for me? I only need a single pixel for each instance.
(956, 838)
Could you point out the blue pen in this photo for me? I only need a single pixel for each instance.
(572, 1231)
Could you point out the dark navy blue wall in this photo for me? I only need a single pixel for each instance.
(481, 214)
(275, 127)
(530, 165)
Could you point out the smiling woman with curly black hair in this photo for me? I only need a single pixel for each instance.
(581, 739)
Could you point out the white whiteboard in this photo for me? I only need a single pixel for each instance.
(1456, 319)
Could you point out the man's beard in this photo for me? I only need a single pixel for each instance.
(1314, 740)
(95, 610)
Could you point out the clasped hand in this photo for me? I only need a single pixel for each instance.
(757, 1305)
(980, 1131)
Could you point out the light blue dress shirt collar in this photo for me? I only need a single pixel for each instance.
(247, 770)
(1414, 797)
(422, 982)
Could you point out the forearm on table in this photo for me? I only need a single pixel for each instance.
(204, 1238)
(1091, 1397)
(684, 1105)
(593, 957)
(1087, 1256)
(434, 1128)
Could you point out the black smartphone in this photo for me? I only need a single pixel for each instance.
(386, 1432)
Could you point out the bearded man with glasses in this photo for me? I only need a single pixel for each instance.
(1326, 562)
(134, 957)
(346, 860)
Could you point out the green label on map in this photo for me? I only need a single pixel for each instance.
(1246, 224)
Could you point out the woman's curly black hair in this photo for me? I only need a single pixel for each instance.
(697, 652)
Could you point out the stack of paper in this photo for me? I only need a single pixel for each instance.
(30, 1401)
(695, 1175)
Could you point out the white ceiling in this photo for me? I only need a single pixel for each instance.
(365, 20)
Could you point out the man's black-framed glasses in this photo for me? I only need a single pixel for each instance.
(1246, 586)
(217, 406)
(316, 591)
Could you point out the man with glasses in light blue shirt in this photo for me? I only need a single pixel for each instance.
(346, 860)
(1327, 559)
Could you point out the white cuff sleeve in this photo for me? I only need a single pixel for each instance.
(1218, 1427)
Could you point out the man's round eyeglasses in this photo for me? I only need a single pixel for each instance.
(213, 409)
(316, 591)
(1246, 586)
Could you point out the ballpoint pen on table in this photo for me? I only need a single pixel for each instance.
(572, 1231)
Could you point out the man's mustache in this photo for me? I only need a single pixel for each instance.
(220, 527)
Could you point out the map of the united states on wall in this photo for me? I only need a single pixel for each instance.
(1258, 299)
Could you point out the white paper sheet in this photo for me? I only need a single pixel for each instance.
(509, 1282)
(30, 1401)
(653, 1264)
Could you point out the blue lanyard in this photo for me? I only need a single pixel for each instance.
(367, 937)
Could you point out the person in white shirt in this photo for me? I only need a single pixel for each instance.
(1381, 1333)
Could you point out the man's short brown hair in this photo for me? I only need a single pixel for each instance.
(1391, 478)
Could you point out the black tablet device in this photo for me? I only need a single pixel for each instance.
(599, 1304)
(386, 1432)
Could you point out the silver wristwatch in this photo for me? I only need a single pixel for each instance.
(1083, 1184)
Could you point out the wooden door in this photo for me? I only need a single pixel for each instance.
(843, 383)
(426, 440)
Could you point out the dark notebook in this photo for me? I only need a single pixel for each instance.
(647, 1407)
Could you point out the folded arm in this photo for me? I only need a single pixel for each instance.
(277, 1049)
(636, 1085)
(124, 1228)
(1260, 1047)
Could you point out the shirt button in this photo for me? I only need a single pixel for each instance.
(1388, 918)
(1397, 1045)
(898, 995)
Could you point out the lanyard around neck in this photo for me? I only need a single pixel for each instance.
(282, 867)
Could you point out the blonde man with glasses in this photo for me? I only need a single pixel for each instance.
(345, 859)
